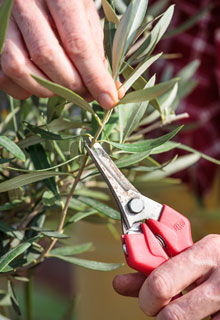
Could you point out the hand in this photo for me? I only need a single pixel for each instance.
(61, 40)
(197, 270)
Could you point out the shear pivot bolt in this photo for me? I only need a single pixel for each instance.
(136, 205)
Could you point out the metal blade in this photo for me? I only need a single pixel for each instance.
(123, 191)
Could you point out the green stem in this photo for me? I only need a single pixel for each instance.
(29, 298)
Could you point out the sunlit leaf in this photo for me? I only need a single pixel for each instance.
(155, 35)
(181, 163)
(131, 114)
(28, 178)
(148, 93)
(131, 159)
(139, 70)
(145, 145)
(89, 264)
(127, 28)
(65, 93)
(109, 12)
(12, 147)
(5, 11)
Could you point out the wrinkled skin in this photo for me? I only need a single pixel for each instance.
(197, 270)
(60, 40)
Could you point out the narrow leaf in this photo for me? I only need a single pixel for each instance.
(40, 161)
(47, 135)
(145, 145)
(131, 159)
(12, 147)
(55, 106)
(12, 254)
(131, 114)
(101, 207)
(65, 93)
(5, 11)
(71, 250)
(80, 216)
(89, 264)
(139, 70)
(155, 35)
(109, 12)
(148, 93)
(28, 178)
(127, 28)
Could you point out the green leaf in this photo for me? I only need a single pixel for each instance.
(65, 93)
(28, 178)
(50, 233)
(100, 207)
(12, 147)
(148, 94)
(71, 250)
(13, 298)
(146, 145)
(109, 33)
(155, 35)
(47, 135)
(48, 199)
(139, 70)
(180, 164)
(91, 193)
(89, 264)
(63, 124)
(109, 12)
(55, 106)
(80, 216)
(131, 159)
(127, 28)
(5, 11)
(40, 161)
(10, 231)
(131, 114)
(12, 254)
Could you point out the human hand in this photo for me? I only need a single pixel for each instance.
(197, 270)
(60, 40)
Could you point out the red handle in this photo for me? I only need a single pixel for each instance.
(145, 253)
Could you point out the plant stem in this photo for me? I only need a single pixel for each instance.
(29, 298)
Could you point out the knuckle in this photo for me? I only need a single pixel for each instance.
(76, 45)
(159, 286)
(42, 55)
(172, 312)
(212, 239)
(12, 66)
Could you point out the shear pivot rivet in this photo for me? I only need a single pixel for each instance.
(136, 205)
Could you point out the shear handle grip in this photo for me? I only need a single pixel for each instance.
(174, 229)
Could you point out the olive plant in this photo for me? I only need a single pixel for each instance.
(45, 171)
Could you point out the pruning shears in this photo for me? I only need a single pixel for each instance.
(152, 233)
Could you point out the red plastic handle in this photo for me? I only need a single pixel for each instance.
(145, 253)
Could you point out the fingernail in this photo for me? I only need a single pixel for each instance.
(106, 101)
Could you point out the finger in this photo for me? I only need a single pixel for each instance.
(120, 88)
(178, 273)
(199, 303)
(43, 46)
(17, 66)
(73, 27)
(128, 284)
(12, 88)
(95, 26)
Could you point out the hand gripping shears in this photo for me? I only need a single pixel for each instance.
(152, 233)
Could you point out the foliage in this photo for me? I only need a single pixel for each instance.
(45, 173)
